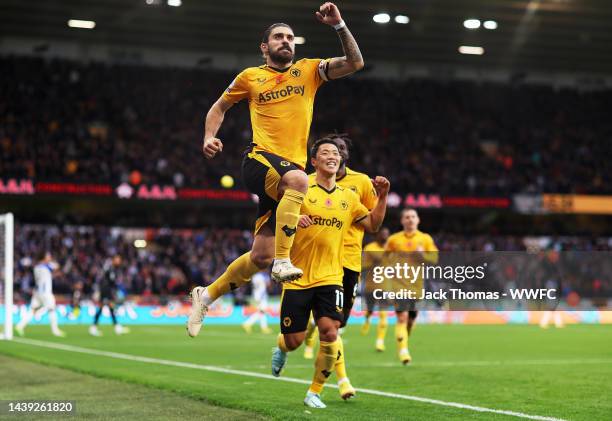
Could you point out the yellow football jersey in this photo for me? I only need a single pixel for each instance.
(281, 105)
(353, 241)
(373, 256)
(417, 241)
(406, 243)
(318, 249)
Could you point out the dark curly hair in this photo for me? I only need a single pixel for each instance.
(267, 32)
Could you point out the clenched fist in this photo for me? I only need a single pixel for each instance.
(211, 147)
(381, 185)
(329, 14)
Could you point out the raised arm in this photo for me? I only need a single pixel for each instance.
(352, 61)
(375, 218)
(214, 118)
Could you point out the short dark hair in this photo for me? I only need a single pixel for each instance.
(344, 136)
(317, 143)
(267, 32)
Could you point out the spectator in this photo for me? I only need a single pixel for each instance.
(94, 122)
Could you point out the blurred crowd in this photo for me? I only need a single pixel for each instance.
(71, 121)
(166, 262)
(163, 262)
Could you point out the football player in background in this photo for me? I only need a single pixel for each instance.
(42, 296)
(260, 284)
(421, 249)
(372, 257)
(108, 295)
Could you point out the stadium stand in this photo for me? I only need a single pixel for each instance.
(444, 137)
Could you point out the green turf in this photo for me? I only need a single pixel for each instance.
(101, 399)
(564, 373)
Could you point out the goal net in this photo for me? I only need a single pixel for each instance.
(6, 275)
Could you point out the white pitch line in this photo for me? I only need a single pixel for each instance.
(451, 363)
(137, 358)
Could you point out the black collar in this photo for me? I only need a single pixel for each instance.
(279, 70)
(327, 191)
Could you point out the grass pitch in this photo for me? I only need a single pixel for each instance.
(102, 399)
(560, 373)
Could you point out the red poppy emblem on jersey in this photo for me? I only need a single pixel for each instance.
(279, 79)
(328, 203)
(409, 244)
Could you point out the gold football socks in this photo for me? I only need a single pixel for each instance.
(324, 365)
(238, 273)
(287, 217)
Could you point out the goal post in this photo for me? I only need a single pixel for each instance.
(6, 264)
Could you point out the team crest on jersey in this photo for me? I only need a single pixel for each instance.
(285, 163)
(296, 72)
(344, 204)
(287, 321)
(328, 202)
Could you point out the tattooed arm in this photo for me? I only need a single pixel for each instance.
(352, 61)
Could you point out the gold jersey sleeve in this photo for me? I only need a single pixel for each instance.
(362, 185)
(281, 105)
(318, 249)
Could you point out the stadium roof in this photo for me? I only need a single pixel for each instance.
(542, 35)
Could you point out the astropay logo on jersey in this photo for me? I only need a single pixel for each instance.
(326, 222)
(282, 93)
